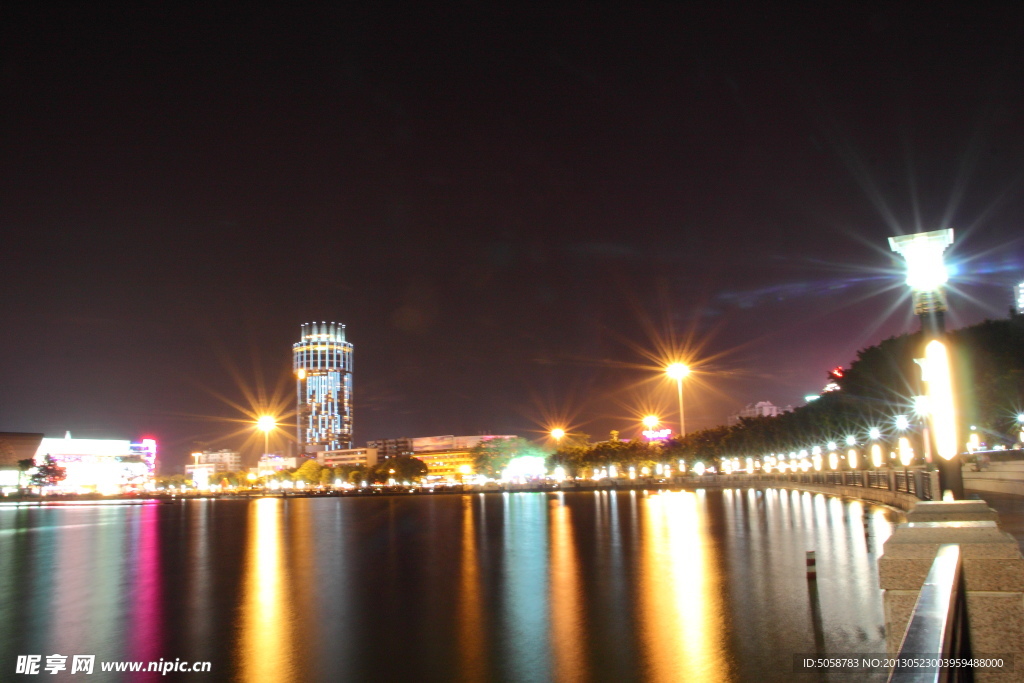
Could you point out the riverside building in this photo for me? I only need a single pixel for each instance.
(322, 361)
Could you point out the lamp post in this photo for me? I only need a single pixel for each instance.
(266, 424)
(678, 371)
(926, 275)
(557, 434)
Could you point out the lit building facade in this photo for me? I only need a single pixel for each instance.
(101, 465)
(447, 457)
(323, 372)
(451, 465)
(357, 457)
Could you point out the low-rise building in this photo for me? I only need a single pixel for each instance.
(391, 448)
(451, 465)
(271, 464)
(14, 448)
(358, 457)
(224, 460)
(103, 465)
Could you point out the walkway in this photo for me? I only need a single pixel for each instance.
(1010, 509)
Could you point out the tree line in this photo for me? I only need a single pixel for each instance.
(881, 383)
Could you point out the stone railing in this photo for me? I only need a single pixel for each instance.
(993, 571)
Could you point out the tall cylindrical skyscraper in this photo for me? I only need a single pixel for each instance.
(323, 374)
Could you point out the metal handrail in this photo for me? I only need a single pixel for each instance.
(938, 624)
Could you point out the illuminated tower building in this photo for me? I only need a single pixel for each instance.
(323, 372)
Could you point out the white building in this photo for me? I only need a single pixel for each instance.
(224, 460)
(759, 409)
(100, 465)
(272, 464)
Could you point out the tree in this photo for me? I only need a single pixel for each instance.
(401, 468)
(326, 476)
(492, 456)
(49, 473)
(308, 472)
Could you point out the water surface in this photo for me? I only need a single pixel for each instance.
(606, 586)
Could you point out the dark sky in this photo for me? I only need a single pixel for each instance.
(508, 207)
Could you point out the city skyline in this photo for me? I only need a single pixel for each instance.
(517, 214)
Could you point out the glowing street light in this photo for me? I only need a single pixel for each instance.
(906, 451)
(902, 423)
(926, 272)
(651, 421)
(942, 416)
(678, 371)
(876, 455)
(875, 433)
(557, 433)
(926, 275)
(266, 424)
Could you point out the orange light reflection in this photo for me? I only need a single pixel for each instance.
(266, 649)
(471, 620)
(565, 598)
(683, 632)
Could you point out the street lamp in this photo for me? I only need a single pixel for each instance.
(266, 424)
(678, 371)
(557, 434)
(651, 421)
(926, 275)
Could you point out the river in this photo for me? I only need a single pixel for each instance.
(603, 586)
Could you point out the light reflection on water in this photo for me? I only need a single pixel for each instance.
(266, 651)
(705, 585)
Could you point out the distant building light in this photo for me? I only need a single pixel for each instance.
(811, 397)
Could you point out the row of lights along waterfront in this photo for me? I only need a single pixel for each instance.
(926, 276)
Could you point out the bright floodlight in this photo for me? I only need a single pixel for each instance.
(1020, 418)
(651, 421)
(902, 422)
(923, 252)
(851, 441)
(875, 433)
(940, 398)
(266, 423)
(677, 371)
(557, 433)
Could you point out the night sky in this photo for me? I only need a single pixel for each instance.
(513, 210)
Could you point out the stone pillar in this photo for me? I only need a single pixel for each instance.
(993, 577)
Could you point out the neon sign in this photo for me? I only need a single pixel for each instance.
(654, 434)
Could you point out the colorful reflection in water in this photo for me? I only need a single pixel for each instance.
(705, 585)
